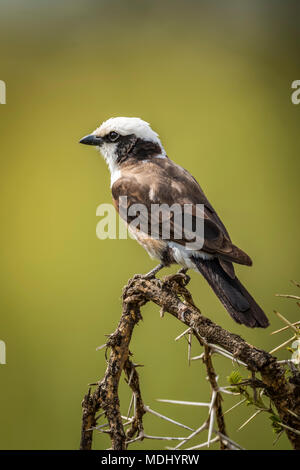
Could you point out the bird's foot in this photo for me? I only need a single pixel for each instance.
(183, 271)
(180, 276)
(187, 278)
(151, 274)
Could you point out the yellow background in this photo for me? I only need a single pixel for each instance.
(214, 79)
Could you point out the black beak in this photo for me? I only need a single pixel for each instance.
(91, 140)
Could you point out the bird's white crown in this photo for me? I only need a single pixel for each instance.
(124, 126)
(127, 126)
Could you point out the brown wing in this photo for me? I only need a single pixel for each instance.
(160, 181)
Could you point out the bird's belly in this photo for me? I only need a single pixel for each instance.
(155, 248)
(166, 251)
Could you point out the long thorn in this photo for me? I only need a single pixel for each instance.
(182, 334)
(130, 405)
(288, 296)
(180, 402)
(289, 428)
(155, 413)
(284, 328)
(189, 347)
(283, 344)
(230, 441)
(211, 425)
(285, 320)
(215, 439)
(295, 283)
(202, 427)
(250, 419)
(234, 406)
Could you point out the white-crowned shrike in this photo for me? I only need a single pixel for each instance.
(141, 173)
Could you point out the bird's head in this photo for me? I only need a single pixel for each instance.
(121, 138)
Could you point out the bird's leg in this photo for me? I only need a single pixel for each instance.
(183, 271)
(186, 277)
(153, 271)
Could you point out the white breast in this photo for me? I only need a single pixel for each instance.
(115, 175)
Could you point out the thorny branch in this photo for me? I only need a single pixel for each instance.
(216, 392)
(172, 296)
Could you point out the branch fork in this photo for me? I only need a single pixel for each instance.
(173, 297)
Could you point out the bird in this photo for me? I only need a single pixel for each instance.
(143, 174)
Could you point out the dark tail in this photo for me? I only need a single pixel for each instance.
(233, 295)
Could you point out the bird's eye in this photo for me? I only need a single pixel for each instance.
(113, 136)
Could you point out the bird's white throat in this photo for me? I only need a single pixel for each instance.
(109, 153)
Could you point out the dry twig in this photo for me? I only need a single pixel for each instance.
(172, 296)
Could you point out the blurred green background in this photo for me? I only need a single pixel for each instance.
(214, 79)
